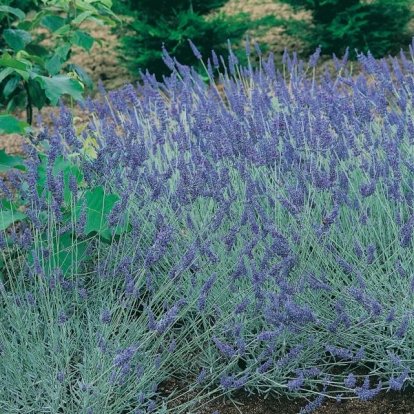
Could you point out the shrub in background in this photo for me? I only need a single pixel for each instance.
(172, 23)
(379, 26)
(30, 74)
(6, 19)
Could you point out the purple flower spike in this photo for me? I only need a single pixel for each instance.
(247, 46)
(125, 356)
(62, 318)
(396, 384)
(197, 54)
(364, 393)
(224, 349)
(167, 58)
(296, 384)
(106, 317)
(312, 406)
(370, 254)
(350, 381)
(367, 189)
(215, 59)
(315, 57)
(406, 232)
(401, 331)
(61, 376)
(227, 381)
(202, 375)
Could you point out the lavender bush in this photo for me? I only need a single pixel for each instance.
(258, 238)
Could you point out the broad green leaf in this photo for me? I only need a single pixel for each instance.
(107, 3)
(97, 21)
(17, 39)
(11, 125)
(53, 23)
(63, 30)
(82, 39)
(11, 85)
(70, 248)
(37, 93)
(36, 50)
(4, 73)
(25, 25)
(60, 164)
(81, 17)
(98, 205)
(106, 20)
(10, 161)
(85, 6)
(35, 22)
(59, 85)
(83, 75)
(7, 61)
(64, 252)
(12, 10)
(63, 50)
(8, 217)
(54, 65)
(37, 60)
(89, 147)
(23, 74)
(107, 10)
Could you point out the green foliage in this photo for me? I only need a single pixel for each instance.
(10, 11)
(173, 23)
(379, 26)
(167, 7)
(10, 125)
(30, 74)
(96, 202)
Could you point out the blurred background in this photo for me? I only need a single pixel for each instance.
(119, 54)
(381, 26)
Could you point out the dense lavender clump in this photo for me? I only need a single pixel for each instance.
(252, 236)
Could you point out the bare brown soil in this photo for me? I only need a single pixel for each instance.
(102, 63)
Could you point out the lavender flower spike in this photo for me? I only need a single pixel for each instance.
(197, 54)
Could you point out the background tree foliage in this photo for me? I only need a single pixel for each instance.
(173, 22)
(379, 26)
(34, 75)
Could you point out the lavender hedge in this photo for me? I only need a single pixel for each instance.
(256, 236)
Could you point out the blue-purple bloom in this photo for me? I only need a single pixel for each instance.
(401, 331)
(61, 376)
(397, 383)
(367, 189)
(242, 306)
(370, 253)
(62, 318)
(406, 232)
(296, 384)
(202, 375)
(312, 406)
(350, 381)
(197, 54)
(364, 393)
(224, 349)
(106, 317)
(125, 356)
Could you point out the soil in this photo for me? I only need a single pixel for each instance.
(102, 64)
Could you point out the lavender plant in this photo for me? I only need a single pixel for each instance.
(268, 248)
